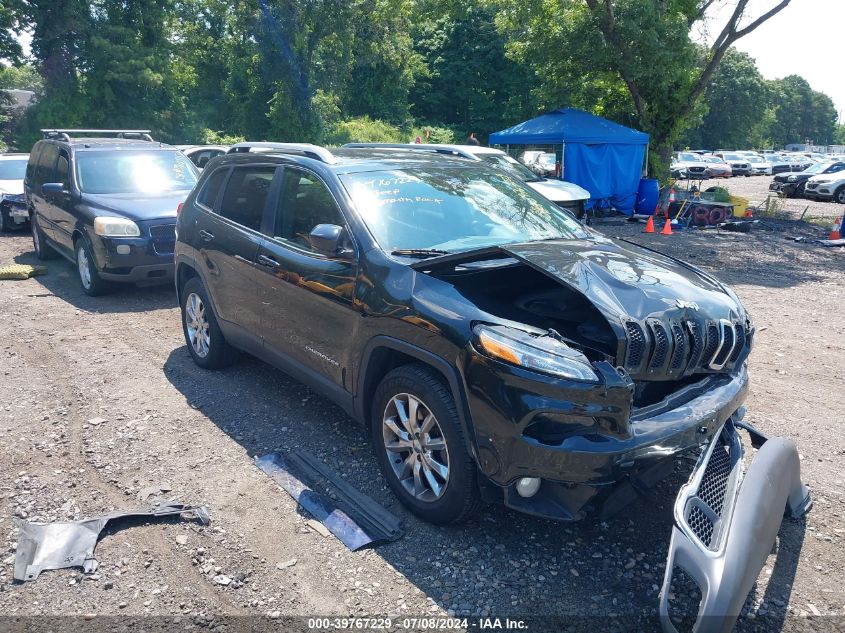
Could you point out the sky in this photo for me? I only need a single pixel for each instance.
(803, 39)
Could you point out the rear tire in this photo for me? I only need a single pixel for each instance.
(43, 250)
(416, 432)
(5, 220)
(839, 196)
(206, 344)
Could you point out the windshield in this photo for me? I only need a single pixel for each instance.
(817, 168)
(13, 169)
(734, 157)
(755, 159)
(510, 165)
(712, 159)
(690, 158)
(547, 159)
(454, 209)
(774, 159)
(126, 171)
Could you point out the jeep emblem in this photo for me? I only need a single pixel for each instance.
(692, 305)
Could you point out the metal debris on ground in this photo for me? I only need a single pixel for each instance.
(354, 518)
(21, 271)
(71, 544)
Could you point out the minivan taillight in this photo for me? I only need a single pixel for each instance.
(179, 208)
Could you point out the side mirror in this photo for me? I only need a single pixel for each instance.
(55, 188)
(330, 240)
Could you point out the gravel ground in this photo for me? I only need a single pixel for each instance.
(101, 400)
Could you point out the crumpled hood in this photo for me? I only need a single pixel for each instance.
(139, 207)
(559, 191)
(14, 187)
(624, 280)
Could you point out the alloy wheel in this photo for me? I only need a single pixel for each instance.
(840, 196)
(416, 448)
(84, 267)
(196, 324)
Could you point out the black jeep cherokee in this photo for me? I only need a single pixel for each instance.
(107, 204)
(496, 348)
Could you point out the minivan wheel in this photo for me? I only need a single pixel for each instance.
(420, 446)
(42, 249)
(206, 343)
(89, 277)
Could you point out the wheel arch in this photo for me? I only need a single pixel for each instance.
(383, 354)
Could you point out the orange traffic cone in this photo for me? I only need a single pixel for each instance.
(670, 201)
(649, 226)
(667, 228)
(835, 233)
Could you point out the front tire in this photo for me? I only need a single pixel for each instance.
(206, 343)
(89, 277)
(421, 447)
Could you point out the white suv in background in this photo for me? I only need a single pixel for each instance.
(826, 187)
(564, 194)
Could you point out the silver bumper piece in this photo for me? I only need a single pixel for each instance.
(726, 523)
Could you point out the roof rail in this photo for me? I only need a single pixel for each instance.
(419, 147)
(298, 149)
(65, 134)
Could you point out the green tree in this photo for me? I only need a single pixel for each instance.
(736, 99)
(593, 46)
(469, 80)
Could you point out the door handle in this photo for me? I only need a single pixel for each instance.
(268, 261)
(206, 236)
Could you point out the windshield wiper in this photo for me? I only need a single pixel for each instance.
(419, 252)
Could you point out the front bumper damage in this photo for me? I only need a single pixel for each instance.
(726, 522)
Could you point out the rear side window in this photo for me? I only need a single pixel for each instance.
(62, 170)
(46, 163)
(246, 195)
(208, 195)
(33, 161)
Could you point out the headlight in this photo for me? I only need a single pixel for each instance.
(824, 181)
(792, 178)
(537, 353)
(116, 227)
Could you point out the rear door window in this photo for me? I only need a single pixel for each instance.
(32, 165)
(246, 195)
(208, 194)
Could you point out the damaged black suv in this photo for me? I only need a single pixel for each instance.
(496, 348)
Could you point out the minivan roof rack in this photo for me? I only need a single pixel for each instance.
(419, 147)
(298, 149)
(65, 133)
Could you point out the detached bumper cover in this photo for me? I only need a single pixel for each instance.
(726, 523)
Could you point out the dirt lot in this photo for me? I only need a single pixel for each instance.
(101, 400)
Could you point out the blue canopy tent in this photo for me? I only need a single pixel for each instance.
(602, 156)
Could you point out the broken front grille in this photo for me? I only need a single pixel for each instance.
(675, 348)
(705, 511)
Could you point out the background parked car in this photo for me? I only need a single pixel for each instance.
(739, 164)
(201, 154)
(107, 204)
(826, 187)
(717, 167)
(13, 211)
(689, 165)
(544, 165)
(779, 163)
(759, 166)
(792, 185)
